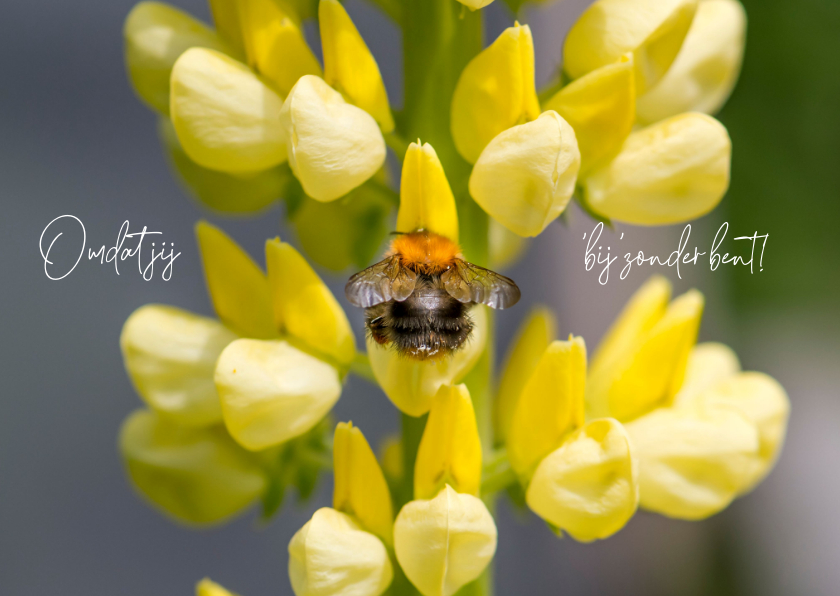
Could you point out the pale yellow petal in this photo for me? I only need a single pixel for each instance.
(708, 364)
(226, 17)
(360, 488)
(589, 486)
(237, 286)
(426, 201)
(195, 475)
(304, 307)
(526, 175)
(495, 91)
(333, 146)
(349, 66)
(206, 587)
(272, 392)
(707, 67)
(444, 543)
(226, 118)
(506, 248)
(170, 355)
(475, 4)
(332, 555)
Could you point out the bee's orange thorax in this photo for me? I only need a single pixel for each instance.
(425, 252)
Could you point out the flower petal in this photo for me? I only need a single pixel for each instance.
(506, 248)
(272, 392)
(708, 364)
(210, 588)
(331, 554)
(475, 4)
(426, 201)
(526, 175)
(589, 486)
(196, 475)
(670, 172)
(226, 17)
(445, 543)
(226, 118)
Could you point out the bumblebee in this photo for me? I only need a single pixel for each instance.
(418, 298)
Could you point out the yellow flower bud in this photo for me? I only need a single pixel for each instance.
(272, 392)
(444, 543)
(526, 350)
(588, 487)
(708, 364)
(672, 171)
(333, 146)
(475, 4)
(450, 450)
(550, 406)
(237, 286)
(349, 66)
(226, 118)
(170, 355)
(496, 90)
(210, 588)
(526, 175)
(411, 384)
(304, 306)
(155, 35)
(426, 201)
(707, 67)
(652, 30)
(360, 486)
(195, 475)
(331, 554)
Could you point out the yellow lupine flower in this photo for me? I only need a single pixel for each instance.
(227, 18)
(708, 363)
(444, 543)
(206, 587)
(672, 171)
(495, 91)
(426, 200)
(526, 175)
(475, 4)
(707, 67)
(349, 66)
(195, 475)
(652, 30)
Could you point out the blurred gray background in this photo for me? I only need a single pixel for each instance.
(74, 139)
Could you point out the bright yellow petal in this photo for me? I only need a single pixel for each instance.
(304, 306)
(155, 35)
(532, 339)
(333, 146)
(707, 67)
(496, 90)
(653, 30)
(349, 66)
(445, 543)
(237, 286)
(170, 355)
(272, 392)
(601, 108)
(708, 364)
(195, 475)
(589, 487)
(526, 175)
(411, 384)
(226, 16)
(331, 555)
(210, 588)
(693, 459)
(426, 201)
(550, 406)
(360, 488)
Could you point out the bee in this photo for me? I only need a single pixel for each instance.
(418, 297)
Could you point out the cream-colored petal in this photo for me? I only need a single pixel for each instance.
(411, 384)
(170, 355)
(589, 486)
(272, 392)
(526, 175)
(426, 200)
(708, 364)
(444, 543)
(495, 91)
(195, 475)
(333, 146)
(206, 587)
(156, 34)
(226, 118)
(670, 172)
(707, 67)
(652, 30)
(332, 555)
(693, 459)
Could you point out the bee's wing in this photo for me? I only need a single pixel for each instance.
(384, 281)
(470, 283)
